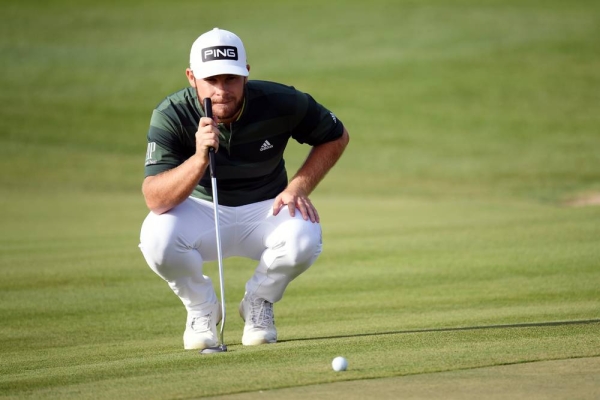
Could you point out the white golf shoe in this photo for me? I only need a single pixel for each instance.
(260, 322)
(201, 331)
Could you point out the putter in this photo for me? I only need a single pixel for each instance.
(211, 159)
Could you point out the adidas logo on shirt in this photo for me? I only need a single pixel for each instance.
(266, 146)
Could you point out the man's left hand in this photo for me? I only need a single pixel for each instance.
(296, 201)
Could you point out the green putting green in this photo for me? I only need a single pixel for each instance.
(461, 230)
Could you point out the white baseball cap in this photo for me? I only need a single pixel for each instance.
(218, 52)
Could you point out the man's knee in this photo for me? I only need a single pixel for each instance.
(159, 242)
(301, 241)
(308, 246)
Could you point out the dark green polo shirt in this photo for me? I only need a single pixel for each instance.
(249, 164)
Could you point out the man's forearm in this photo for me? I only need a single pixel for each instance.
(318, 163)
(170, 188)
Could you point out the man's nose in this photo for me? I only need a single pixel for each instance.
(220, 86)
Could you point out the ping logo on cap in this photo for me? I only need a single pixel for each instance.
(219, 53)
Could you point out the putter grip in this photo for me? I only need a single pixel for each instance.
(211, 150)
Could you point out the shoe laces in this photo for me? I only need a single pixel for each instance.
(261, 313)
(201, 324)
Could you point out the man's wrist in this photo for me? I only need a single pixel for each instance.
(298, 186)
(199, 163)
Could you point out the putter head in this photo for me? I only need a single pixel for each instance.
(210, 350)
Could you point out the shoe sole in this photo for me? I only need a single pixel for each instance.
(258, 342)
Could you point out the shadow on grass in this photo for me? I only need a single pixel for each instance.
(462, 328)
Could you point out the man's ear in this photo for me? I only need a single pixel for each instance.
(190, 76)
(246, 78)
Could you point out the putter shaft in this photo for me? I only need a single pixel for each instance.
(213, 179)
(219, 256)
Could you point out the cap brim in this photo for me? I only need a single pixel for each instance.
(222, 69)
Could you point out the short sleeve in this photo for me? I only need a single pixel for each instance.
(316, 124)
(165, 150)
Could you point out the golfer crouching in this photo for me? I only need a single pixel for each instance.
(262, 216)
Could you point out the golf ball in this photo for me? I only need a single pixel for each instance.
(339, 364)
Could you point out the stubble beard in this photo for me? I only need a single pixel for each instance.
(226, 113)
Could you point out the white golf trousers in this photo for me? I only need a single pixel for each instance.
(175, 245)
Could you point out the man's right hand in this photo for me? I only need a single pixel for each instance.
(207, 136)
(170, 188)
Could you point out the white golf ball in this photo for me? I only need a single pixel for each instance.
(339, 364)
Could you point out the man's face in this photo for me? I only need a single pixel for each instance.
(226, 93)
